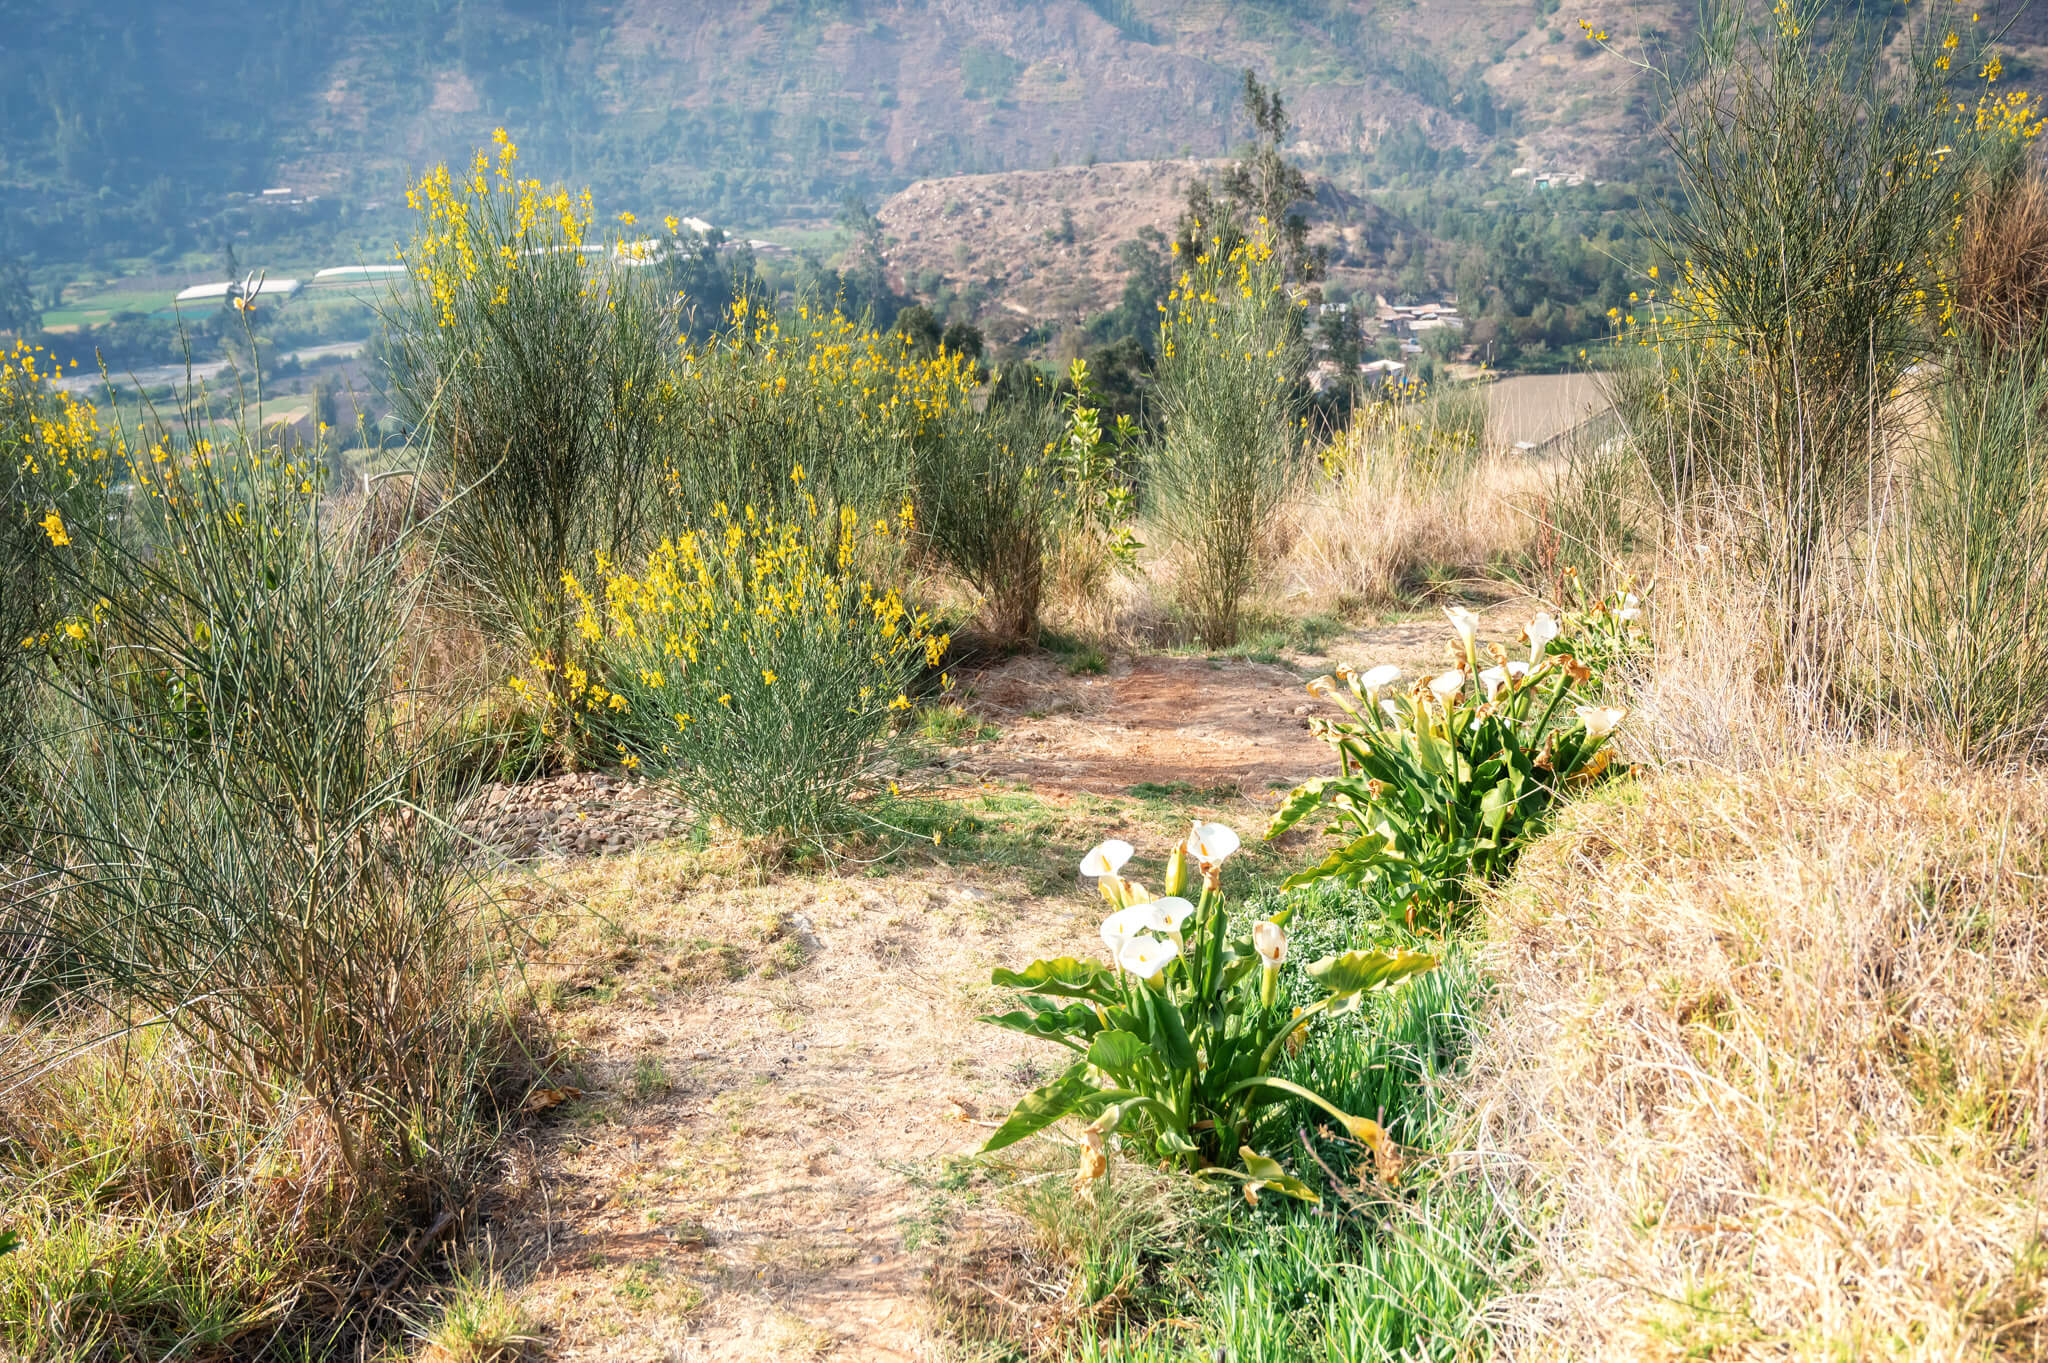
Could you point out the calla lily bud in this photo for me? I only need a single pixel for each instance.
(1270, 940)
(1177, 872)
(1465, 622)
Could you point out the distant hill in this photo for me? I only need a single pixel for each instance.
(125, 121)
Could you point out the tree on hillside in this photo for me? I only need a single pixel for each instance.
(1262, 184)
(917, 325)
(18, 311)
(863, 270)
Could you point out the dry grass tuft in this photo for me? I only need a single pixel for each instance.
(1775, 1052)
(1380, 531)
(2001, 284)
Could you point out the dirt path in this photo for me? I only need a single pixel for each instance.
(775, 1066)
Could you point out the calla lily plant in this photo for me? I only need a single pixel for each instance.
(1177, 1034)
(1443, 784)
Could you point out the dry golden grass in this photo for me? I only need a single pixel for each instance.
(1379, 530)
(1772, 1055)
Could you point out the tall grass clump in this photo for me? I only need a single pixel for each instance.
(1968, 555)
(757, 671)
(990, 500)
(1967, 573)
(532, 360)
(1408, 496)
(1793, 289)
(1230, 362)
(243, 908)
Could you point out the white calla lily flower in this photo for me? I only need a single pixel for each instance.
(1145, 957)
(1494, 680)
(1600, 720)
(1169, 914)
(1270, 939)
(1381, 677)
(1106, 858)
(1447, 684)
(1464, 621)
(1630, 608)
(1124, 925)
(1540, 632)
(1210, 843)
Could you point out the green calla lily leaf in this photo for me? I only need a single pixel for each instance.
(1066, 977)
(1116, 1051)
(1046, 1022)
(1266, 1173)
(1349, 863)
(1044, 1106)
(1169, 1030)
(1356, 972)
(1305, 797)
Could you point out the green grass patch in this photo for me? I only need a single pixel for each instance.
(953, 726)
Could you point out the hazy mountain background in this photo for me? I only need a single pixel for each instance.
(136, 138)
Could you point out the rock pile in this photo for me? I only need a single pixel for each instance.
(578, 814)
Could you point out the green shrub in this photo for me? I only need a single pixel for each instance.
(759, 672)
(52, 481)
(245, 826)
(1968, 570)
(1795, 281)
(989, 495)
(782, 411)
(1229, 384)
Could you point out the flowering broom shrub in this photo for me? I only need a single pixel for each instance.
(1230, 364)
(53, 477)
(776, 407)
(1176, 1038)
(531, 358)
(754, 668)
(1443, 782)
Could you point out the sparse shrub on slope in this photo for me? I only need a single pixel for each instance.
(1409, 495)
(989, 491)
(806, 405)
(53, 477)
(245, 964)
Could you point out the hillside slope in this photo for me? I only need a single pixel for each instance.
(131, 119)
